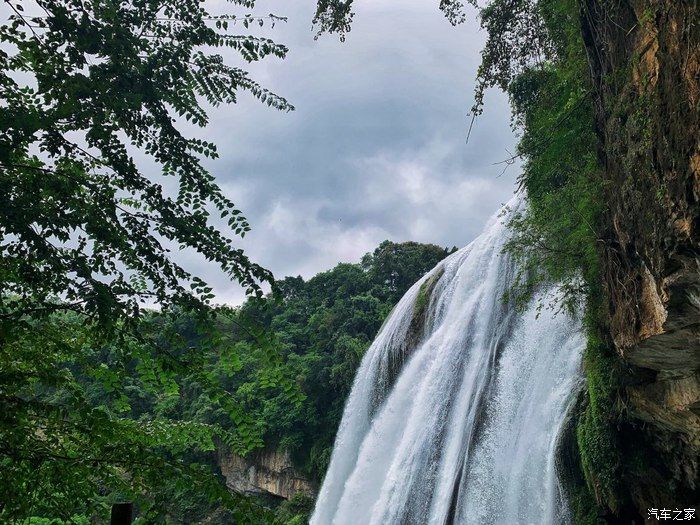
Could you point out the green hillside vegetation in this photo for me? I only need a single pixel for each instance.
(285, 362)
(323, 327)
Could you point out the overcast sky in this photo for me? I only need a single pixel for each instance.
(376, 148)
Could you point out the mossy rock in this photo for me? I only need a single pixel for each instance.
(420, 308)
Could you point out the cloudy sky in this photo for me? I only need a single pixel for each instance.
(376, 148)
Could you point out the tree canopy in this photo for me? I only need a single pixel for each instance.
(85, 86)
(93, 93)
(323, 327)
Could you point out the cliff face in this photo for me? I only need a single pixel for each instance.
(267, 473)
(645, 64)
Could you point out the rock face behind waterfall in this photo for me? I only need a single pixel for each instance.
(456, 409)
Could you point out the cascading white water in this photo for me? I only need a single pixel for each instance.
(456, 408)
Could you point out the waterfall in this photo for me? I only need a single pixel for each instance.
(455, 411)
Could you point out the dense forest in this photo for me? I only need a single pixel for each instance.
(287, 360)
(106, 398)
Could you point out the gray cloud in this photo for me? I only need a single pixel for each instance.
(376, 148)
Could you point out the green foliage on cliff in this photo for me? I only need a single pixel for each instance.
(535, 53)
(598, 440)
(296, 510)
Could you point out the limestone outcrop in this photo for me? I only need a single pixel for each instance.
(268, 473)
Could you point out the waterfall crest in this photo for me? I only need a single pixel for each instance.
(455, 410)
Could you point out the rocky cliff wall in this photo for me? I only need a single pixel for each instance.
(645, 64)
(267, 473)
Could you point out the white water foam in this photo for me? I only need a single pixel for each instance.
(461, 425)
